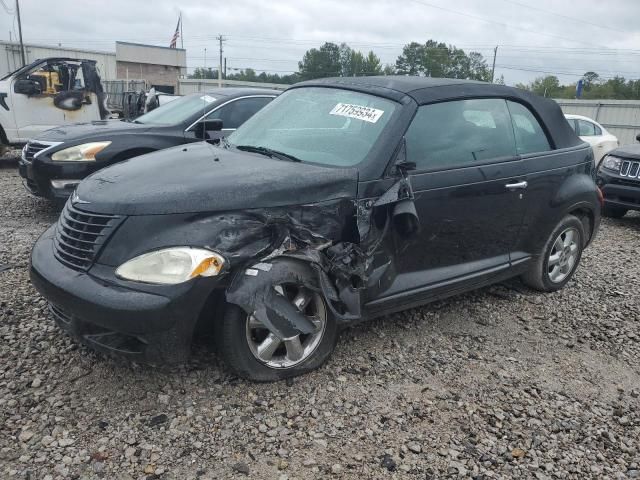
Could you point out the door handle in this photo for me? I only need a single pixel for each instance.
(517, 186)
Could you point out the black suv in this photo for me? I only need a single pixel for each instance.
(341, 200)
(55, 162)
(619, 179)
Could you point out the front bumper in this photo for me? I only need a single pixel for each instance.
(38, 174)
(151, 324)
(618, 191)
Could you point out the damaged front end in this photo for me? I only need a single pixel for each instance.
(326, 253)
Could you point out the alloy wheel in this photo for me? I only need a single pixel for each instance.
(278, 353)
(563, 256)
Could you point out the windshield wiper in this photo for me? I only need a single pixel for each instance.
(269, 152)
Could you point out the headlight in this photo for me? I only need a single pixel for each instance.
(80, 153)
(172, 265)
(612, 163)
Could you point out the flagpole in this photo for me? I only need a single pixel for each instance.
(181, 37)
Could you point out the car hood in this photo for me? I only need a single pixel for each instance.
(202, 178)
(90, 130)
(628, 151)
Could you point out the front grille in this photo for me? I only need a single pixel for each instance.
(31, 148)
(630, 169)
(81, 234)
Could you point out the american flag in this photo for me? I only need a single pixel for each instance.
(176, 35)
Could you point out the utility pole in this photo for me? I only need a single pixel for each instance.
(493, 69)
(220, 39)
(225, 67)
(181, 35)
(24, 61)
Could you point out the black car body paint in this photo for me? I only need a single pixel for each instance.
(128, 139)
(621, 187)
(355, 226)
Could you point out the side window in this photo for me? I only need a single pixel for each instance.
(572, 124)
(460, 133)
(530, 138)
(237, 112)
(586, 129)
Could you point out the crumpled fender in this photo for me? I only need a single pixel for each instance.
(252, 289)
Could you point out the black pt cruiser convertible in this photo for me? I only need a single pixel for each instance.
(340, 201)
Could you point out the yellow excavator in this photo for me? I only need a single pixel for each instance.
(49, 81)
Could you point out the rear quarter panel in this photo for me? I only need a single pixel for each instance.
(560, 182)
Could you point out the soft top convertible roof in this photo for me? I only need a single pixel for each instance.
(425, 90)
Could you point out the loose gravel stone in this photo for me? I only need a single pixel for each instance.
(459, 388)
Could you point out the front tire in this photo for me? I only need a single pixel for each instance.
(560, 257)
(252, 352)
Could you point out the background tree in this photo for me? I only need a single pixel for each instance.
(331, 60)
(437, 59)
(321, 62)
(590, 79)
(201, 72)
(616, 88)
(410, 62)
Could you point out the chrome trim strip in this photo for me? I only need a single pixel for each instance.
(630, 169)
(222, 105)
(38, 142)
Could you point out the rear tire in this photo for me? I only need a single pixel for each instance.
(614, 212)
(237, 347)
(559, 258)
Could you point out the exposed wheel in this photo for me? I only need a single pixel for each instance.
(614, 212)
(253, 352)
(560, 257)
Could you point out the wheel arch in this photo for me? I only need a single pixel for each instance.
(587, 217)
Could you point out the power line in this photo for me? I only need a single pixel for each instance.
(488, 20)
(566, 17)
(524, 68)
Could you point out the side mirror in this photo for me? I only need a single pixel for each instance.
(405, 218)
(638, 137)
(201, 128)
(27, 87)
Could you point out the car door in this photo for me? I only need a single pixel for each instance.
(467, 194)
(545, 170)
(63, 99)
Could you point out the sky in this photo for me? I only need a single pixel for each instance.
(534, 37)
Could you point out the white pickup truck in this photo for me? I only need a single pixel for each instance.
(48, 93)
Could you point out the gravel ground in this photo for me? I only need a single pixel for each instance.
(499, 383)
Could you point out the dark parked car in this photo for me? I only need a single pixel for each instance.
(55, 162)
(619, 179)
(340, 201)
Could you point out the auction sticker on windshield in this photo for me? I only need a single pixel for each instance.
(367, 114)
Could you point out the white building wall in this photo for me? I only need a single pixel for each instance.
(152, 54)
(10, 57)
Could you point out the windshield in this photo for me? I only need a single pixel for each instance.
(321, 125)
(177, 111)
